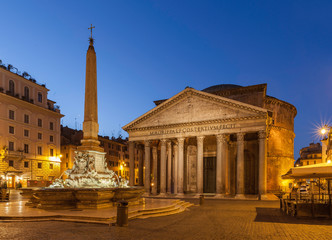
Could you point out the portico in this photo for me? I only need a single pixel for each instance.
(197, 142)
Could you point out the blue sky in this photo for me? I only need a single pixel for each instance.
(149, 50)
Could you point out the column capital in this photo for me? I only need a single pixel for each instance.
(147, 143)
(180, 140)
(221, 138)
(240, 136)
(262, 134)
(200, 139)
(163, 141)
(169, 143)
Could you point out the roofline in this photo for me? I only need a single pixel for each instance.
(194, 91)
(16, 75)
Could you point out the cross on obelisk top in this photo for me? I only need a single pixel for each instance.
(91, 29)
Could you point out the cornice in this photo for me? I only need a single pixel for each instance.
(273, 100)
(21, 101)
(262, 116)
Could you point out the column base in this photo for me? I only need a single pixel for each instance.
(240, 196)
(146, 194)
(180, 195)
(219, 195)
(162, 195)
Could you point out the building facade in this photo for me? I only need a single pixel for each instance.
(327, 147)
(310, 155)
(225, 140)
(116, 149)
(29, 131)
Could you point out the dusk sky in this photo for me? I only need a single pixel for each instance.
(150, 50)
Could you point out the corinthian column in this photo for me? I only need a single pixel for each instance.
(221, 164)
(199, 165)
(140, 166)
(154, 170)
(175, 168)
(169, 167)
(180, 165)
(163, 157)
(262, 164)
(147, 180)
(240, 166)
(131, 164)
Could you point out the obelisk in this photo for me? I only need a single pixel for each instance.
(90, 141)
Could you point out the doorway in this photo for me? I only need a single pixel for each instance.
(209, 175)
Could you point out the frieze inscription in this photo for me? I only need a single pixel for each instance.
(193, 129)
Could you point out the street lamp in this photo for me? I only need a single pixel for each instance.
(325, 129)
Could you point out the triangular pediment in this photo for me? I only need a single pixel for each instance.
(193, 106)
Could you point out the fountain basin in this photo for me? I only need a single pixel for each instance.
(81, 198)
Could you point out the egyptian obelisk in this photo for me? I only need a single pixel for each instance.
(90, 141)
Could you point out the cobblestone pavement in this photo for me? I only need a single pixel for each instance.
(216, 219)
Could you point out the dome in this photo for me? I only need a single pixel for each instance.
(220, 87)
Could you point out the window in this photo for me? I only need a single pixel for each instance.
(26, 164)
(11, 146)
(314, 162)
(51, 152)
(307, 162)
(51, 165)
(11, 87)
(67, 155)
(11, 163)
(39, 165)
(51, 138)
(40, 97)
(11, 129)
(40, 122)
(40, 136)
(26, 93)
(11, 114)
(51, 126)
(26, 133)
(66, 164)
(26, 118)
(26, 148)
(40, 150)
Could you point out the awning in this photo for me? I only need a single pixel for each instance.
(321, 170)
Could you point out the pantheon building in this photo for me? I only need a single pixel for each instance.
(226, 140)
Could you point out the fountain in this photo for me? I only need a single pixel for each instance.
(90, 184)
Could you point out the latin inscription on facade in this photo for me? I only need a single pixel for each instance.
(193, 129)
